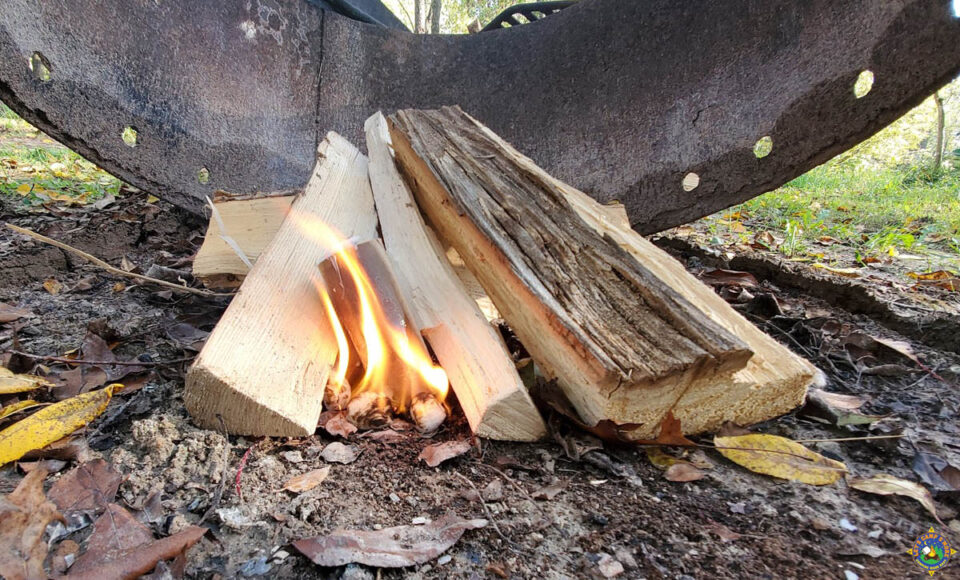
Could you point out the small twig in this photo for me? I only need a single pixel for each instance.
(117, 363)
(243, 463)
(218, 494)
(837, 439)
(486, 510)
(116, 271)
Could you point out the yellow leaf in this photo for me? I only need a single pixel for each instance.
(24, 189)
(11, 383)
(660, 459)
(892, 252)
(882, 484)
(52, 286)
(152, 199)
(779, 457)
(16, 408)
(119, 287)
(53, 423)
(938, 275)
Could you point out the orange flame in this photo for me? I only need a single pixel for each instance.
(385, 345)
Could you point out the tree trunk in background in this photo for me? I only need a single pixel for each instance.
(938, 153)
(418, 17)
(435, 7)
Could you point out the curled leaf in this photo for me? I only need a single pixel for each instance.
(883, 484)
(780, 457)
(434, 455)
(17, 407)
(52, 423)
(11, 383)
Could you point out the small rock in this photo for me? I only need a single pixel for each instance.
(819, 523)
(394, 498)
(356, 572)
(234, 517)
(280, 555)
(738, 508)
(874, 534)
(609, 567)
(626, 558)
(535, 537)
(255, 567)
(847, 525)
(412, 500)
(493, 491)
(599, 519)
(292, 456)
(850, 575)
(338, 452)
(445, 559)
(420, 521)
(178, 523)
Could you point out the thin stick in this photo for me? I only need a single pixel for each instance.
(486, 510)
(116, 271)
(117, 363)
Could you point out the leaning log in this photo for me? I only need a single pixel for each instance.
(622, 344)
(264, 367)
(470, 350)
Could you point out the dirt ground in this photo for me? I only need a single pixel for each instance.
(613, 505)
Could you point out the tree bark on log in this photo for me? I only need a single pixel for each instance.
(592, 316)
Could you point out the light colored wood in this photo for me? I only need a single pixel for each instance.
(773, 382)
(469, 349)
(622, 344)
(251, 223)
(264, 367)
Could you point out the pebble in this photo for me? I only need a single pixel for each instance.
(356, 572)
(847, 525)
(445, 559)
(609, 567)
(394, 498)
(280, 555)
(850, 575)
(255, 567)
(420, 520)
(292, 456)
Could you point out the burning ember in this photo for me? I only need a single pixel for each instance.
(383, 367)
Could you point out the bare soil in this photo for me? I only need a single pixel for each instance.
(614, 502)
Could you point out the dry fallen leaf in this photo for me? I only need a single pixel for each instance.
(52, 286)
(114, 531)
(24, 515)
(11, 383)
(17, 407)
(52, 423)
(549, 492)
(671, 433)
(845, 272)
(683, 472)
(659, 458)
(434, 455)
(10, 313)
(90, 486)
(307, 481)
(722, 531)
(337, 452)
(396, 547)
(779, 457)
(134, 562)
(889, 485)
(718, 277)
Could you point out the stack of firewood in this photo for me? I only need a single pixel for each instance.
(474, 230)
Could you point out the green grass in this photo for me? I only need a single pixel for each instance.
(869, 210)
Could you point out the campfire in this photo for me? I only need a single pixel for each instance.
(361, 318)
(383, 368)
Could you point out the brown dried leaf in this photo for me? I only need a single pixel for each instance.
(114, 531)
(434, 455)
(549, 492)
(139, 560)
(671, 433)
(307, 481)
(883, 484)
(835, 400)
(683, 472)
(10, 313)
(396, 547)
(722, 531)
(24, 515)
(718, 277)
(336, 424)
(90, 486)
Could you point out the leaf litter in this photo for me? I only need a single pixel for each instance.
(396, 547)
